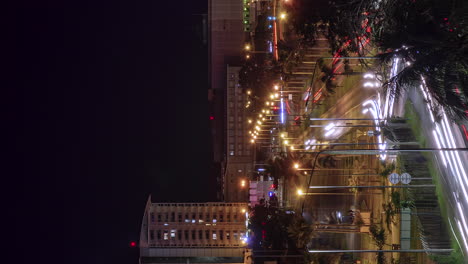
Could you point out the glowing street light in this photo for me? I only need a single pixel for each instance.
(247, 47)
(283, 15)
(243, 183)
(300, 192)
(296, 165)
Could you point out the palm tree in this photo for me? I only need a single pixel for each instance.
(301, 232)
(435, 39)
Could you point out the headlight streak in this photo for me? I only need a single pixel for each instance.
(434, 133)
(374, 110)
(455, 235)
(444, 137)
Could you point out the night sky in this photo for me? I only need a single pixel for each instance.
(106, 103)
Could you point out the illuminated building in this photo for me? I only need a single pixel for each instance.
(239, 158)
(190, 232)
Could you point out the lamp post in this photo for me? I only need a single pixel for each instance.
(369, 152)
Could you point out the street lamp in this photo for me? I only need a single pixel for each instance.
(243, 183)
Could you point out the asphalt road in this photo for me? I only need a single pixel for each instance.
(453, 175)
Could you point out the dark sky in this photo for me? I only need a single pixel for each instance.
(106, 103)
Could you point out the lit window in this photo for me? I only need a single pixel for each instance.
(214, 235)
(173, 233)
(231, 153)
(166, 235)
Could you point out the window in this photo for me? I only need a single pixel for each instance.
(151, 234)
(228, 235)
(179, 217)
(194, 235)
(214, 235)
(172, 217)
(167, 217)
(228, 217)
(235, 235)
(173, 232)
(186, 235)
(207, 234)
(159, 234)
(221, 235)
(159, 217)
(200, 234)
(152, 217)
(231, 153)
(166, 235)
(179, 235)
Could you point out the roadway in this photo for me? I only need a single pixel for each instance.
(452, 166)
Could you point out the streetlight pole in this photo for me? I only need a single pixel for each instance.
(369, 152)
(431, 250)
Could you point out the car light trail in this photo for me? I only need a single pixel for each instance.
(444, 137)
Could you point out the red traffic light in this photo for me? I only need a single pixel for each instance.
(133, 244)
(211, 117)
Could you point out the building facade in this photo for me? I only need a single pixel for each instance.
(239, 152)
(226, 41)
(193, 232)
